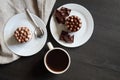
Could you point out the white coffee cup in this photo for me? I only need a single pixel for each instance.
(57, 60)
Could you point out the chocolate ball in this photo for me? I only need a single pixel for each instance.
(22, 34)
(73, 23)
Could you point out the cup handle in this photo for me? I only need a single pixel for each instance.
(50, 46)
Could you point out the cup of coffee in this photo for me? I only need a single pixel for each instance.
(56, 60)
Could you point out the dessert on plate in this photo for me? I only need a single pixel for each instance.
(72, 23)
(22, 34)
(65, 36)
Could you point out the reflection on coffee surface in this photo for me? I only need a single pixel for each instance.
(57, 60)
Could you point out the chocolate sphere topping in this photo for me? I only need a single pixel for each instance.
(73, 23)
(22, 34)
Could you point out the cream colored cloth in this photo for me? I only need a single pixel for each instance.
(8, 8)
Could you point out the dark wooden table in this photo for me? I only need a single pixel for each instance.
(98, 59)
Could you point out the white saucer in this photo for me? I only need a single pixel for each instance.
(81, 36)
(24, 49)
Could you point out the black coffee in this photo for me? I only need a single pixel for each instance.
(57, 60)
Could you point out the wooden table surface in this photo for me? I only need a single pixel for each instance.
(98, 59)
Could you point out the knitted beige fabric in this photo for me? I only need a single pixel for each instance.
(9, 8)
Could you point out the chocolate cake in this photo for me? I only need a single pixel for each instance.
(73, 23)
(22, 34)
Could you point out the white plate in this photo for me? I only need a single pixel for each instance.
(24, 49)
(81, 36)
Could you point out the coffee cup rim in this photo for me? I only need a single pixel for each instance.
(57, 72)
